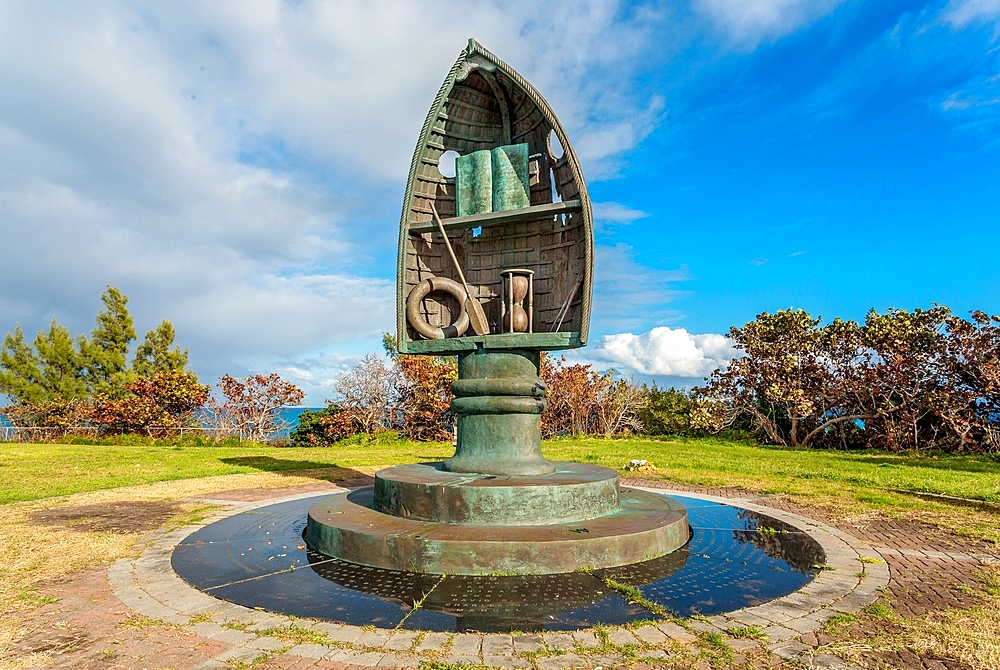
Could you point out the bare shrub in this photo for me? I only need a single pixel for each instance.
(370, 394)
(251, 406)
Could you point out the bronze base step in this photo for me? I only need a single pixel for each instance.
(345, 526)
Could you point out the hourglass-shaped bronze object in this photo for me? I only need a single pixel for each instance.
(517, 309)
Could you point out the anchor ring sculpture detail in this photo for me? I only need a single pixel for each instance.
(417, 320)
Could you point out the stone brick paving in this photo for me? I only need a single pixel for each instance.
(139, 614)
(929, 569)
(90, 628)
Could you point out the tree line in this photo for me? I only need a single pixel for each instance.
(899, 380)
(59, 383)
(920, 379)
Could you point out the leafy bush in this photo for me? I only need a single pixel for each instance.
(922, 379)
(251, 405)
(320, 428)
(665, 411)
(165, 401)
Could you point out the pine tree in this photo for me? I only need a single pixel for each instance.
(155, 355)
(20, 377)
(106, 354)
(61, 364)
(59, 368)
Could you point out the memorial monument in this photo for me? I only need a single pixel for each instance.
(495, 265)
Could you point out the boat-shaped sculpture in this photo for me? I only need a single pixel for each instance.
(516, 213)
(495, 267)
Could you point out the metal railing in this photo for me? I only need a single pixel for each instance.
(51, 433)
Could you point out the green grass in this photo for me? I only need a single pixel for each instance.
(33, 471)
(865, 476)
(634, 595)
(879, 611)
(747, 632)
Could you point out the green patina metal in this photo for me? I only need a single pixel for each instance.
(492, 180)
(505, 341)
(426, 492)
(474, 183)
(497, 505)
(499, 434)
(345, 525)
(510, 177)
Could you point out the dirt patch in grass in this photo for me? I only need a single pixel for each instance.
(139, 516)
(48, 540)
(49, 640)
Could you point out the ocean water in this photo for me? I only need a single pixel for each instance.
(292, 414)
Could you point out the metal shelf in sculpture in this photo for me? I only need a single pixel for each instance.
(485, 107)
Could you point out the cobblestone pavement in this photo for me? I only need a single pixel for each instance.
(139, 614)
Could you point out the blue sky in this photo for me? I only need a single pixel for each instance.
(238, 168)
(849, 165)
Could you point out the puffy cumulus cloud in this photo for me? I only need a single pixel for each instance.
(749, 22)
(667, 352)
(236, 167)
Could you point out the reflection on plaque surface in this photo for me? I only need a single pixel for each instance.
(735, 558)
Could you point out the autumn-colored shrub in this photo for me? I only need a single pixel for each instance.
(161, 402)
(900, 380)
(582, 401)
(55, 413)
(251, 405)
(425, 397)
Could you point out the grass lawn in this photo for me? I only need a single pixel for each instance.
(35, 478)
(35, 471)
(851, 482)
(864, 476)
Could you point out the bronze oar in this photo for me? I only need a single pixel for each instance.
(477, 317)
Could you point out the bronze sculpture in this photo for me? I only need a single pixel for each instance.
(511, 256)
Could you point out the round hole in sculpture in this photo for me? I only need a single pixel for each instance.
(446, 164)
(555, 146)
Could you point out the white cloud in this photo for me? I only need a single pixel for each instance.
(667, 351)
(963, 12)
(614, 212)
(237, 167)
(749, 22)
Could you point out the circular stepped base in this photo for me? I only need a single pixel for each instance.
(345, 526)
(426, 492)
